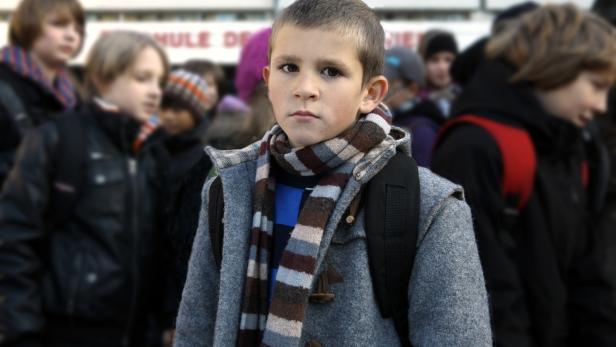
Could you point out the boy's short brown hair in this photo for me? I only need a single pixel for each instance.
(351, 18)
(27, 20)
(551, 45)
(113, 54)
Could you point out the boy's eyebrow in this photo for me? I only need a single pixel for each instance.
(288, 58)
(322, 62)
(334, 62)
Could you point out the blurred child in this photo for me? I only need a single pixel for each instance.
(439, 49)
(517, 145)
(285, 197)
(213, 75)
(405, 73)
(184, 105)
(80, 212)
(34, 85)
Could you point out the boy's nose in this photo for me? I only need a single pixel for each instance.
(155, 92)
(306, 88)
(71, 33)
(601, 103)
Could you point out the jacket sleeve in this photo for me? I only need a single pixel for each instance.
(593, 284)
(22, 204)
(447, 295)
(469, 156)
(197, 313)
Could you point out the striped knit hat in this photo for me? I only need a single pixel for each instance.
(190, 89)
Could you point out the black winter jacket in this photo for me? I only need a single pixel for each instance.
(185, 179)
(553, 288)
(40, 105)
(94, 279)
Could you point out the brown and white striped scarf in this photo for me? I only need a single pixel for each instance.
(281, 324)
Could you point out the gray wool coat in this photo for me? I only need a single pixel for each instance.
(447, 295)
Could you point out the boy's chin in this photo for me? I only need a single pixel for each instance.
(301, 142)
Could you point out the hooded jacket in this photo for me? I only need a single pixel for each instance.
(551, 289)
(448, 304)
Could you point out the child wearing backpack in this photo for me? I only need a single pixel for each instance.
(80, 214)
(518, 146)
(34, 84)
(295, 242)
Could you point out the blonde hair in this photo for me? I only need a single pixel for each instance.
(27, 19)
(113, 54)
(551, 45)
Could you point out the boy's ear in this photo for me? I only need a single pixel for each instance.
(373, 93)
(266, 72)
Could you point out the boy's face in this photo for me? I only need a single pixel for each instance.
(59, 40)
(212, 90)
(176, 122)
(137, 91)
(315, 84)
(579, 101)
(437, 69)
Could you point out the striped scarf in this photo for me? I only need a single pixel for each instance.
(281, 323)
(18, 60)
(147, 129)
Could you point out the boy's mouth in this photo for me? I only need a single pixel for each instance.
(304, 114)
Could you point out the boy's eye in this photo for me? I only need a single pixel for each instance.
(142, 77)
(332, 72)
(289, 68)
(601, 85)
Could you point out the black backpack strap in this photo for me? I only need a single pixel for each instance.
(17, 112)
(215, 213)
(69, 167)
(392, 217)
(391, 231)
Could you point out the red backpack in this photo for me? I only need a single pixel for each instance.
(519, 160)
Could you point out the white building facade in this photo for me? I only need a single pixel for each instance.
(216, 30)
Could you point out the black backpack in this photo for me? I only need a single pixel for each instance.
(68, 159)
(17, 114)
(391, 233)
(69, 167)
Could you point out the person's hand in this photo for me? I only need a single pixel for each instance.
(168, 336)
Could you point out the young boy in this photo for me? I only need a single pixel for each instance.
(544, 80)
(285, 197)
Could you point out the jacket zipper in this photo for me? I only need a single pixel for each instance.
(132, 166)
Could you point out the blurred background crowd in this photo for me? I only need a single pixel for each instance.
(98, 212)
